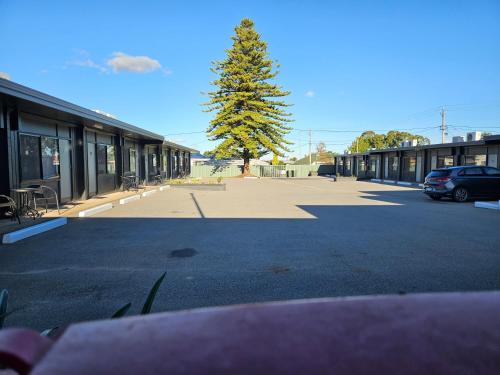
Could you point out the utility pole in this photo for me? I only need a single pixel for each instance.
(443, 125)
(310, 143)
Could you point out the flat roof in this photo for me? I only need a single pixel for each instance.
(487, 140)
(25, 93)
(177, 146)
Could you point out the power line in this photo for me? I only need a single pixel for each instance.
(364, 130)
(168, 135)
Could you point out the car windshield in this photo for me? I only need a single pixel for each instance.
(440, 173)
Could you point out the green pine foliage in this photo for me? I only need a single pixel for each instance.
(250, 120)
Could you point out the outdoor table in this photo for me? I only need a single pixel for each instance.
(25, 196)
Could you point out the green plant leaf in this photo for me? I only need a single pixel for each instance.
(122, 311)
(4, 299)
(49, 332)
(146, 309)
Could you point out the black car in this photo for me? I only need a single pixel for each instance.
(463, 183)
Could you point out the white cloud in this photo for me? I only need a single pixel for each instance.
(121, 62)
(310, 94)
(88, 63)
(4, 75)
(83, 59)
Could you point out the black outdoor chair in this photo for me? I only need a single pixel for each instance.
(45, 194)
(158, 179)
(130, 182)
(10, 207)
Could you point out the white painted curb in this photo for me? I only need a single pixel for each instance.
(389, 181)
(146, 193)
(130, 199)
(95, 210)
(489, 205)
(164, 187)
(421, 185)
(404, 183)
(33, 230)
(376, 180)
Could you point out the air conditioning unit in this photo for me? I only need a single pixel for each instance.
(473, 136)
(457, 139)
(411, 143)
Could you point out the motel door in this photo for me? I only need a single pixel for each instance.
(91, 167)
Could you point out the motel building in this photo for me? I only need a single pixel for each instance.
(77, 152)
(410, 164)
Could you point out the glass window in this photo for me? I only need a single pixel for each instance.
(492, 160)
(393, 162)
(475, 160)
(444, 161)
(164, 162)
(110, 159)
(410, 164)
(472, 172)
(30, 157)
(132, 158)
(101, 159)
(492, 171)
(440, 173)
(50, 157)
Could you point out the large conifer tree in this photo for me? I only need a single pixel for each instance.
(250, 120)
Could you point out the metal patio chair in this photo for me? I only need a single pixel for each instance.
(130, 182)
(11, 206)
(45, 194)
(158, 179)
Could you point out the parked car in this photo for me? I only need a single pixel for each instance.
(463, 183)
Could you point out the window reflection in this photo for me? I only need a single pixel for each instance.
(50, 157)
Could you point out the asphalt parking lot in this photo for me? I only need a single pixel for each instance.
(261, 240)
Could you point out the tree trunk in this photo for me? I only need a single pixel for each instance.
(246, 166)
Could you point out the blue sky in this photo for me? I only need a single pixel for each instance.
(350, 65)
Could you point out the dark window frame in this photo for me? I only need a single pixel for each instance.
(41, 174)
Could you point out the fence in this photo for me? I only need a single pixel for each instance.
(276, 171)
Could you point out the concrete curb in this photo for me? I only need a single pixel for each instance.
(146, 193)
(95, 210)
(489, 205)
(33, 230)
(401, 183)
(130, 199)
(164, 187)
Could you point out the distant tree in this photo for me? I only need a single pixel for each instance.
(371, 140)
(395, 137)
(250, 120)
(485, 134)
(322, 154)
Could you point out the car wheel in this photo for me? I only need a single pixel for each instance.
(460, 194)
(436, 197)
